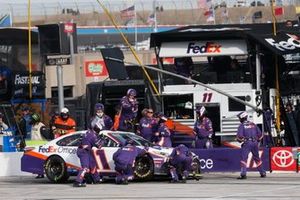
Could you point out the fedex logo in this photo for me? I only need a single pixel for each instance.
(209, 47)
(292, 43)
(50, 149)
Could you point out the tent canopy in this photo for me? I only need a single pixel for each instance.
(14, 36)
(286, 41)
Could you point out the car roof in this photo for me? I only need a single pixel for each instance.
(104, 132)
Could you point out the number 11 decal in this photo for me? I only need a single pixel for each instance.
(101, 159)
(207, 97)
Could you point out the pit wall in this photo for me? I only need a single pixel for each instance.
(282, 159)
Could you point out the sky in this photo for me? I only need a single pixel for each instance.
(124, 1)
(48, 6)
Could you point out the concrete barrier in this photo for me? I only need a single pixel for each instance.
(11, 164)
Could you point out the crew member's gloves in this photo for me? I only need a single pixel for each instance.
(209, 136)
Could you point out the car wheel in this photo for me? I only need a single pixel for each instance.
(144, 168)
(196, 169)
(56, 169)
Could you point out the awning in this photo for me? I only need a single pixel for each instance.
(284, 42)
(15, 36)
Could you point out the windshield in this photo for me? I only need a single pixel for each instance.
(138, 141)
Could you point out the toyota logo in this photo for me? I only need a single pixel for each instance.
(283, 158)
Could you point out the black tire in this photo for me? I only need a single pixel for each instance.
(144, 168)
(56, 169)
(196, 169)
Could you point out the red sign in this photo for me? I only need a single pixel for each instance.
(278, 11)
(166, 61)
(95, 68)
(68, 28)
(282, 159)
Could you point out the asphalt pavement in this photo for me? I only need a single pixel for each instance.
(281, 186)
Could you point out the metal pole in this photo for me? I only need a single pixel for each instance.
(278, 120)
(29, 49)
(71, 45)
(155, 16)
(258, 69)
(71, 48)
(135, 26)
(256, 108)
(60, 86)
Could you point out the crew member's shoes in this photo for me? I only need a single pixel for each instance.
(263, 176)
(242, 177)
(77, 184)
(98, 181)
(174, 181)
(125, 182)
(197, 177)
(183, 179)
(40, 176)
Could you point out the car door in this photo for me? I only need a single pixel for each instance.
(67, 149)
(104, 156)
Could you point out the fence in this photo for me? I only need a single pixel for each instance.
(168, 11)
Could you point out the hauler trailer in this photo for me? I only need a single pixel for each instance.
(213, 48)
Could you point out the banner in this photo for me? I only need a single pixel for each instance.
(282, 159)
(278, 11)
(6, 21)
(95, 68)
(21, 85)
(203, 48)
(228, 160)
(128, 13)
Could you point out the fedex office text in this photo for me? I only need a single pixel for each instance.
(209, 47)
(52, 149)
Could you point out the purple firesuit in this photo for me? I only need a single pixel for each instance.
(164, 136)
(129, 111)
(250, 135)
(105, 121)
(268, 118)
(146, 127)
(203, 131)
(87, 159)
(180, 162)
(124, 159)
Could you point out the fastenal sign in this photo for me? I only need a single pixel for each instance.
(95, 68)
(21, 82)
(203, 48)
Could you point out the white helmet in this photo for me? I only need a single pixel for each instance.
(201, 110)
(64, 110)
(243, 115)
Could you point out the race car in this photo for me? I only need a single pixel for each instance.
(58, 160)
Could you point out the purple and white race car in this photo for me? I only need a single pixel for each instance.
(58, 160)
